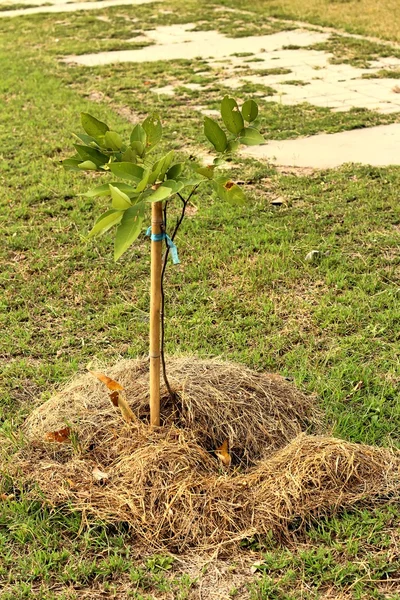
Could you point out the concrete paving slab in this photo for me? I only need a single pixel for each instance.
(377, 146)
(179, 42)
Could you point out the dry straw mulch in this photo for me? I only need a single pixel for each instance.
(167, 483)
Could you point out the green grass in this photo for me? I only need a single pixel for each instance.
(16, 6)
(244, 292)
(365, 17)
(383, 74)
(355, 52)
(339, 554)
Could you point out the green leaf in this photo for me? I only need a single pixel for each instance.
(144, 181)
(232, 146)
(129, 229)
(138, 140)
(234, 194)
(138, 148)
(153, 129)
(106, 221)
(129, 155)
(229, 192)
(168, 158)
(93, 127)
(207, 172)
(127, 170)
(175, 186)
(113, 140)
(71, 164)
(250, 111)
(165, 190)
(86, 139)
(215, 134)
(175, 171)
(251, 137)
(231, 115)
(161, 167)
(190, 182)
(88, 153)
(104, 190)
(120, 201)
(138, 134)
(87, 165)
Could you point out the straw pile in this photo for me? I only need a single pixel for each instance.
(217, 400)
(168, 485)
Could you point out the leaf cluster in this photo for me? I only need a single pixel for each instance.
(142, 176)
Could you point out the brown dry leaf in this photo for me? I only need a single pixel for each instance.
(125, 409)
(114, 398)
(256, 566)
(118, 400)
(99, 475)
(7, 496)
(60, 436)
(110, 383)
(71, 484)
(222, 453)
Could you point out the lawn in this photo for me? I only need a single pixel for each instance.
(244, 291)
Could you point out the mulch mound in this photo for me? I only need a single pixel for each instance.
(167, 483)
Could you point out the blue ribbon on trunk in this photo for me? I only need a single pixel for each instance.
(159, 237)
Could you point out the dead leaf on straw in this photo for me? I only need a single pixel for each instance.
(222, 453)
(110, 383)
(60, 436)
(116, 397)
(256, 566)
(71, 484)
(99, 475)
(7, 497)
(125, 409)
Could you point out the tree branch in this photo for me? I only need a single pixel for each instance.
(165, 261)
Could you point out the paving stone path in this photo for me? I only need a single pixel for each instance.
(297, 74)
(337, 86)
(377, 146)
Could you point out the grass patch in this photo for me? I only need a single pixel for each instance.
(16, 6)
(382, 74)
(338, 555)
(295, 82)
(355, 52)
(366, 17)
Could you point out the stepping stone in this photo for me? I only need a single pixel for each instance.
(377, 146)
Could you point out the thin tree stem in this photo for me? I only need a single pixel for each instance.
(164, 266)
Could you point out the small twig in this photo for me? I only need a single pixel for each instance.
(162, 316)
(166, 255)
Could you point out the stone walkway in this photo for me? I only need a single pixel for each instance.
(306, 75)
(377, 146)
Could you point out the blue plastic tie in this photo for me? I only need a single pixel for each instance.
(159, 237)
